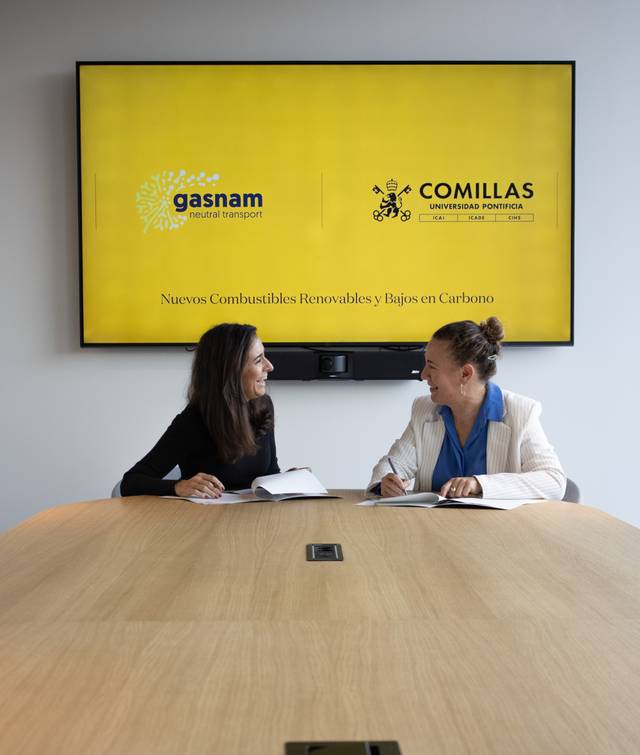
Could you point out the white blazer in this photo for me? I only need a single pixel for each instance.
(521, 463)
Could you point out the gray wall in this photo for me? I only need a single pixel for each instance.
(73, 420)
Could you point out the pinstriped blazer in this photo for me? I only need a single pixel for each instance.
(521, 463)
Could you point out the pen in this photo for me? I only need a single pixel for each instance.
(395, 471)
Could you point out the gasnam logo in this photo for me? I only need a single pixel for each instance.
(166, 201)
(155, 200)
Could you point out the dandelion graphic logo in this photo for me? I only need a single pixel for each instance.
(154, 199)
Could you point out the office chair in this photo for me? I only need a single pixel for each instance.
(572, 493)
(174, 474)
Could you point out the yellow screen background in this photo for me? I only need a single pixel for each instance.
(314, 140)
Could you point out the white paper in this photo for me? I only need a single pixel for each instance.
(410, 499)
(433, 500)
(240, 496)
(296, 481)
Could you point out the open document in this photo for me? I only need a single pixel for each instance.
(433, 500)
(296, 483)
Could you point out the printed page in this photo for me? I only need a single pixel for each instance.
(433, 500)
(485, 503)
(239, 496)
(411, 499)
(298, 481)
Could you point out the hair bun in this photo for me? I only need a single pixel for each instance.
(492, 330)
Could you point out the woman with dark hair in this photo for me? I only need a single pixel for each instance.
(224, 438)
(470, 438)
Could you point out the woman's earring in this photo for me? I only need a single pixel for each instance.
(462, 393)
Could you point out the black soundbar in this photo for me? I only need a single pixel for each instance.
(350, 363)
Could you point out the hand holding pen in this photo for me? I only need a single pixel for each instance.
(392, 484)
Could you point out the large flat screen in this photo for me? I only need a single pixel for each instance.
(326, 203)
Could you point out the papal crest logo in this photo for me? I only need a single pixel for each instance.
(391, 202)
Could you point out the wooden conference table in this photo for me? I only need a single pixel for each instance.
(142, 625)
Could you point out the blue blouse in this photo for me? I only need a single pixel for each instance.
(456, 461)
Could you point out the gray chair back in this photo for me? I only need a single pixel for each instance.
(572, 493)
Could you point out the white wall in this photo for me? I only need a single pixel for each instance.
(73, 420)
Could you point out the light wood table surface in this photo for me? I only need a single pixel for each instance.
(143, 625)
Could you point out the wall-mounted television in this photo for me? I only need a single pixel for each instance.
(342, 207)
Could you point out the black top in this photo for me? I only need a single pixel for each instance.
(187, 443)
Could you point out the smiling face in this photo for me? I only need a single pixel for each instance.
(442, 374)
(255, 371)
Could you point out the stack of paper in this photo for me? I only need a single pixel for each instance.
(297, 483)
(433, 500)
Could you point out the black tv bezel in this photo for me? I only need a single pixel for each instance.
(317, 346)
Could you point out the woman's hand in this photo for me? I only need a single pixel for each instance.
(391, 485)
(201, 485)
(461, 487)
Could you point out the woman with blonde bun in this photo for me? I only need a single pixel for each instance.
(470, 437)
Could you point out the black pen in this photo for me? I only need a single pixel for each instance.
(395, 471)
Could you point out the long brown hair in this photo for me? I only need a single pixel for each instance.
(216, 391)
